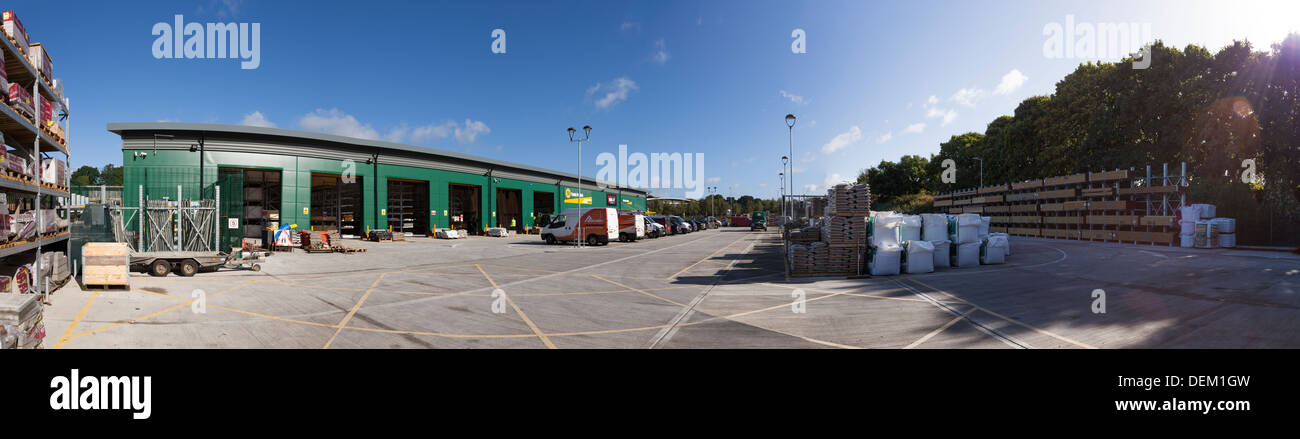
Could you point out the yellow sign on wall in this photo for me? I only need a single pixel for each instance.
(584, 200)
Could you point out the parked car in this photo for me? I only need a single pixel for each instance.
(653, 229)
(599, 225)
(685, 225)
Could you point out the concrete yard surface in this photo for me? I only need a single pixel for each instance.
(722, 288)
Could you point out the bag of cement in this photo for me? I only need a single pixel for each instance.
(498, 232)
(966, 254)
(885, 261)
(884, 231)
(967, 229)
(920, 257)
(934, 227)
(993, 251)
(910, 228)
(942, 255)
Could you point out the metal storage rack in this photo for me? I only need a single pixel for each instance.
(25, 131)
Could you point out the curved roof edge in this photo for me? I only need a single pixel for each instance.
(121, 127)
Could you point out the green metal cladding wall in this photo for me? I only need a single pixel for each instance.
(163, 170)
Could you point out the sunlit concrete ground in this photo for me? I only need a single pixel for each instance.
(721, 288)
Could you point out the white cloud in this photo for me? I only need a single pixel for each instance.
(614, 92)
(430, 132)
(914, 128)
(884, 138)
(793, 97)
(661, 54)
(809, 189)
(933, 100)
(967, 96)
(712, 180)
(256, 119)
(1010, 82)
(842, 140)
(946, 115)
(630, 26)
(336, 122)
(471, 131)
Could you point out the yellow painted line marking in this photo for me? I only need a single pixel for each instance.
(343, 323)
(80, 315)
(640, 291)
(1009, 319)
(267, 316)
(939, 329)
(741, 238)
(537, 331)
(161, 312)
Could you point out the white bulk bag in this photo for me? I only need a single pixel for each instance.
(920, 257)
(1227, 240)
(1187, 241)
(884, 231)
(984, 226)
(1190, 213)
(1006, 238)
(1187, 227)
(966, 255)
(910, 228)
(942, 256)
(934, 227)
(1207, 210)
(994, 251)
(885, 261)
(968, 228)
(1225, 225)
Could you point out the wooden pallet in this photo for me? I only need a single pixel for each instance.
(106, 263)
(10, 174)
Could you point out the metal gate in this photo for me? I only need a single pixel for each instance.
(230, 214)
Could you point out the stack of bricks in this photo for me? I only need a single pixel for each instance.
(846, 200)
(21, 321)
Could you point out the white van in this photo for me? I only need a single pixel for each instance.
(599, 226)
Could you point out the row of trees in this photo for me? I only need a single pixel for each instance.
(90, 176)
(720, 206)
(1214, 111)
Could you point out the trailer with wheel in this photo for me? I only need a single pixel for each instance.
(183, 263)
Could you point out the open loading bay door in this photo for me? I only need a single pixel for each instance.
(465, 210)
(408, 206)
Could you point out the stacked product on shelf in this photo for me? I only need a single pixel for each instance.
(30, 212)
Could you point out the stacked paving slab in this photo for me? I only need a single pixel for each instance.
(843, 235)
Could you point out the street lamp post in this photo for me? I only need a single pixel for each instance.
(981, 170)
(789, 123)
(785, 160)
(587, 136)
(782, 194)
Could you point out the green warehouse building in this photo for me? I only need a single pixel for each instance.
(268, 177)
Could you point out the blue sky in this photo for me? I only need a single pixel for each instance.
(879, 80)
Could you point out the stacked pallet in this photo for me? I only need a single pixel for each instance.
(808, 258)
(21, 322)
(846, 200)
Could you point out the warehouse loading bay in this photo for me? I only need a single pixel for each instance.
(723, 288)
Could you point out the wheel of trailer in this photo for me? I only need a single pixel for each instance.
(592, 241)
(160, 268)
(188, 268)
(257, 267)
